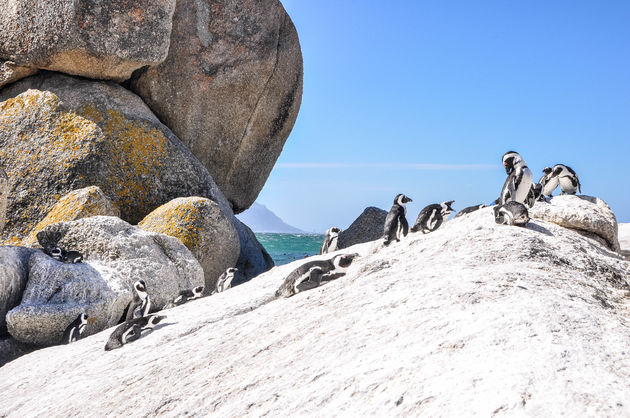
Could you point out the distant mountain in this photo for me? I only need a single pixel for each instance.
(261, 219)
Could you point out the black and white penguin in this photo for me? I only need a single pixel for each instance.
(518, 184)
(75, 330)
(141, 302)
(469, 209)
(64, 256)
(73, 257)
(511, 213)
(547, 183)
(396, 220)
(569, 182)
(131, 330)
(184, 296)
(225, 280)
(330, 240)
(431, 217)
(315, 272)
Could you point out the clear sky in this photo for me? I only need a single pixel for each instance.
(423, 98)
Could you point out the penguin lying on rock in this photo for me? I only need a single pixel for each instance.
(511, 213)
(469, 209)
(131, 330)
(184, 296)
(311, 274)
(431, 217)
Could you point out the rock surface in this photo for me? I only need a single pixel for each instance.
(588, 215)
(367, 227)
(78, 204)
(10, 72)
(5, 186)
(253, 259)
(116, 254)
(10, 349)
(230, 88)
(204, 230)
(624, 238)
(72, 133)
(103, 40)
(13, 278)
(457, 320)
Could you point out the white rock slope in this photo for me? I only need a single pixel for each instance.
(475, 319)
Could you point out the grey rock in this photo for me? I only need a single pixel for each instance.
(367, 227)
(588, 215)
(10, 349)
(10, 72)
(5, 186)
(230, 88)
(13, 279)
(116, 254)
(73, 133)
(203, 228)
(253, 258)
(103, 40)
(624, 238)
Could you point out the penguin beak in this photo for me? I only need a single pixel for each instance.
(91, 320)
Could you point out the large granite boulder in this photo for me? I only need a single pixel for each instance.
(367, 227)
(4, 197)
(588, 215)
(10, 349)
(10, 72)
(73, 133)
(203, 228)
(96, 39)
(230, 88)
(116, 254)
(253, 259)
(13, 279)
(78, 204)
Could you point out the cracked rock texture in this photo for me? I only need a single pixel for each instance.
(68, 133)
(10, 72)
(116, 254)
(367, 227)
(230, 88)
(474, 317)
(95, 39)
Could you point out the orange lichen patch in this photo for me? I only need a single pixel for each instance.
(78, 204)
(183, 218)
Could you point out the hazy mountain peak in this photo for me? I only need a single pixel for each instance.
(260, 219)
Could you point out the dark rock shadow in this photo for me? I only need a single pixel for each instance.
(538, 228)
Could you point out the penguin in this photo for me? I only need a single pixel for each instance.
(75, 330)
(314, 273)
(431, 217)
(64, 256)
(56, 253)
(396, 220)
(470, 209)
(131, 330)
(569, 182)
(141, 303)
(73, 257)
(225, 280)
(518, 185)
(184, 296)
(547, 183)
(511, 213)
(330, 241)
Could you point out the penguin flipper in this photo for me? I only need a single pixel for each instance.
(404, 224)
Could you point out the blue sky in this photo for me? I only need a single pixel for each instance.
(423, 98)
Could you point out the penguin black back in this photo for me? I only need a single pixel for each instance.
(396, 220)
(131, 330)
(75, 330)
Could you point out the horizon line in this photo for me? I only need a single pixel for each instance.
(399, 166)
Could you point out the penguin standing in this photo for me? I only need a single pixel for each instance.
(470, 209)
(547, 183)
(569, 182)
(330, 241)
(311, 274)
(511, 213)
(141, 303)
(131, 330)
(431, 217)
(75, 330)
(184, 296)
(396, 220)
(518, 185)
(225, 280)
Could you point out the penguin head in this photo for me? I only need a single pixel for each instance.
(546, 170)
(56, 253)
(197, 291)
(510, 159)
(140, 286)
(155, 319)
(333, 231)
(401, 199)
(344, 260)
(446, 208)
(557, 170)
(83, 318)
(231, 270)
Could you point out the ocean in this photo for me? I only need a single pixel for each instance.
(285, 248)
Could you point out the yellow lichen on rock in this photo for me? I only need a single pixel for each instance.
(82, 203)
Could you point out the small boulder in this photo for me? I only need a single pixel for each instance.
(206, 231)
(230, 88)
(116, 254)
(4, 197)
(78, 204)
(74, 133)
(253, 259)
(587, 215)
(10, 72)
(95, 39)
(367, 227)
(13, 278)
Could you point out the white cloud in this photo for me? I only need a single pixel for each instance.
(393, 166)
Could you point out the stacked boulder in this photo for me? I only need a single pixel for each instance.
(119, 114)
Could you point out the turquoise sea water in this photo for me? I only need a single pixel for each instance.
(284, 248)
